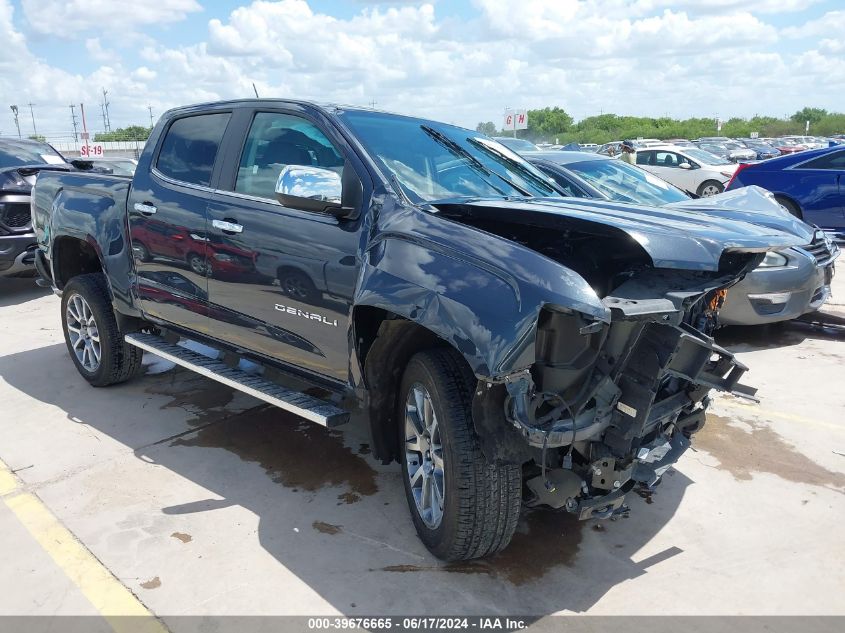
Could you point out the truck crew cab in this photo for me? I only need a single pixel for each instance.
(505, 344)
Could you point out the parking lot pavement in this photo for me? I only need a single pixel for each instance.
(199, 500)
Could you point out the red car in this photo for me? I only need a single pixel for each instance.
(203, 256)
(785, 146)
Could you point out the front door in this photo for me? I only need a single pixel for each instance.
(281, 280)
(167, 221)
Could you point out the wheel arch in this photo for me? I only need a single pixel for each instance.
(384, 343)
(73, 256)
(791, 200)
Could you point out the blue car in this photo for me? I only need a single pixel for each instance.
(811, 185)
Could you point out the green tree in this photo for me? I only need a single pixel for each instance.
(548, 123)
(38, 137)
(488, 128)
(813, 115)
(130, 133)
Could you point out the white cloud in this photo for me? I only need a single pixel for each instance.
(640, 58)
(830, 23)
(65, 18)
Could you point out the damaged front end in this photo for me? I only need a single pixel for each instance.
(607, 406)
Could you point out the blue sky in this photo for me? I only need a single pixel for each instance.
(461, 61)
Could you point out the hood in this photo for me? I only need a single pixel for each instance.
(750, 204)
(691, 241)
(21, 178)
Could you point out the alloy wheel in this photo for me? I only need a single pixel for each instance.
(83, 332)
(424, 456)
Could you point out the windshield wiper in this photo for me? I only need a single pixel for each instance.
(473, 162)
(522, 169)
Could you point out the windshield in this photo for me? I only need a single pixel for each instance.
(16, 155)
(433, 161)
(705, 157)
(626, 183)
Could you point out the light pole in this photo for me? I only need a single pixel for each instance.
(17, 125)
(32, 114)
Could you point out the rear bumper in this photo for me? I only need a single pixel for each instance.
(17, 255)
(770, 295)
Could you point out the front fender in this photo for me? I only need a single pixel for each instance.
(479, 292)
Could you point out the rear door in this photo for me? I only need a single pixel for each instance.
(281, 280)
(167, 219)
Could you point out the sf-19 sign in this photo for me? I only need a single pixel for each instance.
(516, 120)
(91, 150)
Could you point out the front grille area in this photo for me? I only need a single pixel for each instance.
(819, 249)
(15, 215)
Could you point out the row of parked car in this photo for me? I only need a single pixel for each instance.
(801, 193)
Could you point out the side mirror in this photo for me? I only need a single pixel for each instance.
(685, 166)
(321, 190)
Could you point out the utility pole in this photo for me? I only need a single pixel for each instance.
(72, 107)
(150, 108)
(32, 114)
(14, 109)
(373, 103)
(106, 119)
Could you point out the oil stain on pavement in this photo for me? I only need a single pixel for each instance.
(743, 453)
(153, 583)
(288, 449)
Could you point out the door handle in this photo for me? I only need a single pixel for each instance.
(145, 207)
(227, 227)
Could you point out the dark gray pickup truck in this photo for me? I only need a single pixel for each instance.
(505, 344)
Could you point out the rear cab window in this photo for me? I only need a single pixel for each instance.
(189, 148)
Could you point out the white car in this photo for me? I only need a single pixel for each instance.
(688, 168)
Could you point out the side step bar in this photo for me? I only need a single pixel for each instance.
(303, 405)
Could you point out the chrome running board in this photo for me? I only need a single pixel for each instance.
(303, 405)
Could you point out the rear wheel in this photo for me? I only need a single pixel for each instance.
(197, 264)
(95, 344)
(710, 188)
(789, 206)
(462, 506)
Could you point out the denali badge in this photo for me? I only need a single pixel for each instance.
(305, 315)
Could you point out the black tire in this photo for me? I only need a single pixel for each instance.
(142, 253)
(790, 206)
(118, 361)
(297, 285)
(709, 185)
(481, 500)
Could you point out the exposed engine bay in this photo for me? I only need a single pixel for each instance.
(608, 406)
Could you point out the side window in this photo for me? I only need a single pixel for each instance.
(667, 159)
(644, 158)
(190, 147)
(834, 160)
(276, 140)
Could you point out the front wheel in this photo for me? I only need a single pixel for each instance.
(710, 188)
(95, 344)
(462, 506)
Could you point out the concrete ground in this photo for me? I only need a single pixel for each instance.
(200, 500)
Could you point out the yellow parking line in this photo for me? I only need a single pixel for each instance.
(766, 413)
(105, 592)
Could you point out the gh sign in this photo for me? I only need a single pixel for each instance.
(516, 120)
